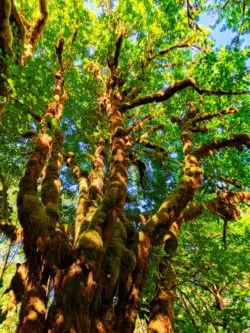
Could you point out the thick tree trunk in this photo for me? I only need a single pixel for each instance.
(44, 246)
(161, 318)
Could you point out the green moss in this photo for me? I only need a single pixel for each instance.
(33, 209)
(113, 195)
(52, 213)
(128, 262)
(130, 228)
(121, 230)
(99, 217)
(113, 259)
(90, 239)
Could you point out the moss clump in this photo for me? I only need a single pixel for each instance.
(32, 214)
(90, 239)
(99, 217)
(52, 213)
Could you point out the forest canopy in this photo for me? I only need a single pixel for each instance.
(125, 166)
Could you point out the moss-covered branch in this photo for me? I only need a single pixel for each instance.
(35, 31)
(140, 124)
(164, 95)
(161, 317)
(118, 45)
(83, 183)
(185, 44)
(207, 116)
(238, 141)
(90, 193)
(158, 227)
(223, 205)
(173, 206)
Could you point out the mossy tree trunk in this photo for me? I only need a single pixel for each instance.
(39, 216)
(97, 273)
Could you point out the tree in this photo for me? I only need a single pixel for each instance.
(138, 107)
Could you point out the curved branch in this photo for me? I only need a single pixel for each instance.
(208, 116)
(10, 231)
(238, 140)
(173, 47)
(35, 32)
(164, 95)
(194, 210)
(40, 24)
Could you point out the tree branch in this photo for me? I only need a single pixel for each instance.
(40, 24)
(35, 115)
(186, 63)
(208, 116)
(193, 210)
(118, 45)
(10, 231)
(164, 95)
(181, 45)
(238, 140)
(152, 145)
(59, 52)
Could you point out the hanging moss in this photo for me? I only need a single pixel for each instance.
(121, 231)
(112, 270)
(56, 249)
(73, 296)
(119, 261)
(129, 225)
(128, 263)
(113, 262)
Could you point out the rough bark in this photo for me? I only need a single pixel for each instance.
(159, 225)
(161, 318)
(44, 245)
(104, 261)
